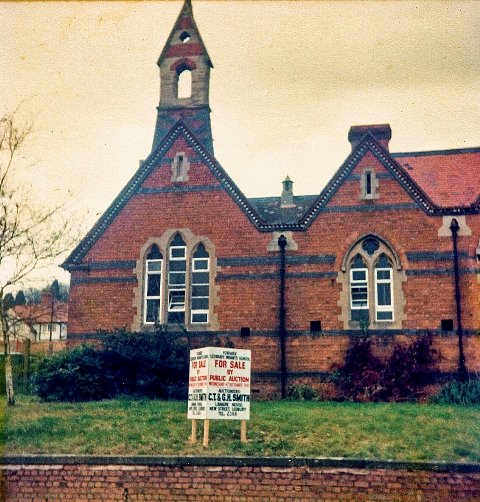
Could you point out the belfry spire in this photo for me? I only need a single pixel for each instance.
(184, 81)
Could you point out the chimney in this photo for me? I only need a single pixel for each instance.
(381, 132)
(287, 193)
(46, 298)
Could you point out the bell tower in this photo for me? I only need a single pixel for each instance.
(184, 81)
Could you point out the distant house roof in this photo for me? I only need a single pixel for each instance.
(42, 313)
(450, 178)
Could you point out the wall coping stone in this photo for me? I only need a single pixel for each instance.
(279, 462)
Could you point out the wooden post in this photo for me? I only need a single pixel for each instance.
(206, 430)
(243, 431)
(193, 437)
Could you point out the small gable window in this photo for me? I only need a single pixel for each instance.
(180, 167)
(368, 185)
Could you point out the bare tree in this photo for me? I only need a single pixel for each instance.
(30, 236)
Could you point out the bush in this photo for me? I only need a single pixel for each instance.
(73, 375)
(466, 394)
(149, 364)
(407, 369)
(302, 392)
(364, 377)
(358, 379)
(153, 365)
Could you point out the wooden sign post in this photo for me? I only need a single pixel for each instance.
(219, 388)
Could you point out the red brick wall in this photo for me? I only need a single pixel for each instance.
(253, 480)
(253, 303)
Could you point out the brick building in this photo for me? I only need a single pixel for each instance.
(290, 277)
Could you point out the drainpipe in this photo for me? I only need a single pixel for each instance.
(282, 243)
(462, 370)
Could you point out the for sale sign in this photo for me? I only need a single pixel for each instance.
(219, 384)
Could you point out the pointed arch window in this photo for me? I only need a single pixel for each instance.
(374, 287)
(359, 289)
(200, 285)
(383, 290)
(177, 280)
(153, 284)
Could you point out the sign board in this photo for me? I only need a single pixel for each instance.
(219, 384)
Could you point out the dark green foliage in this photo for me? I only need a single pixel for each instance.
(466, 394)
(148, 364)
(79, 374)
(8, 301)
(153, 365)
(302, 392)
(20, 298)
(365, 377)
(55, 289)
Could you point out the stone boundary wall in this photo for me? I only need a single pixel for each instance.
(232, 479)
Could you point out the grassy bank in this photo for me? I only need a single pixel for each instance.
(289, 428)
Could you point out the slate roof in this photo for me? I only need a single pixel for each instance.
(450, 178)
(440, 182)
(270, 211)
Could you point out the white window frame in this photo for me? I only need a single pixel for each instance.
(158, 297)
(205, 312)
(176, 289)
(355, 283)
(389, 281)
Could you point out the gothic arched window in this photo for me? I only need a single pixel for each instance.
(176, 286)
(153, 284)
(177, 280)
(373, 285)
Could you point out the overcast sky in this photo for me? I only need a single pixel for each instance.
(289, 79)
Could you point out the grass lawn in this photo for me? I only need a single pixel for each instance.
(280, 428)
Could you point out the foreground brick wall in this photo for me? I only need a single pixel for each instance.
(109, 479)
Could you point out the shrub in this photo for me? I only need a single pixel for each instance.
(73, 375)
(148, 364)
(406, 370)
(364, 377)
(358, 379)
(466, 394)
(153, 365)
(302, 392)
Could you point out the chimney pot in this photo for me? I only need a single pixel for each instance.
(381, 132)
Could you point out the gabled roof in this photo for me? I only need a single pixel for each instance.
(185, 21)
(419, 178)
(451, 178)
(366, 143)
(74, 260)
(39, 313)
